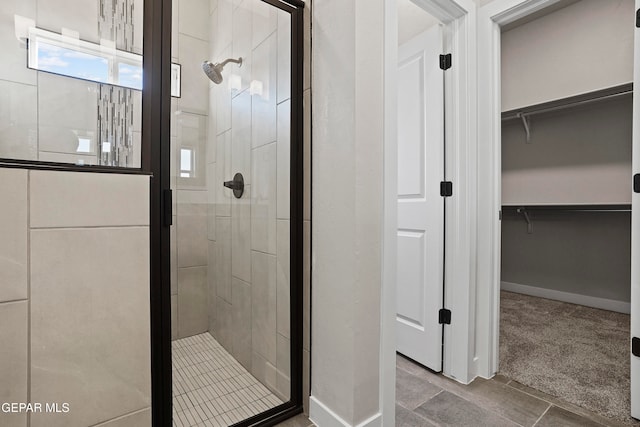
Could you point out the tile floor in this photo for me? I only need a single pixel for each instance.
(210, 388)
(427, 399)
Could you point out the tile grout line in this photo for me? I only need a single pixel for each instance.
(543, 414)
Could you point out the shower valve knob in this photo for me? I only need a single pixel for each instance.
(237, 185)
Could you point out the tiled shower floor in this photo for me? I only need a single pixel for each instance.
(211, 388)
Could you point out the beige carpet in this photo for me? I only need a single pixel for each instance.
(579, 354)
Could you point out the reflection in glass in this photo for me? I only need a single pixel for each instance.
(231, 290)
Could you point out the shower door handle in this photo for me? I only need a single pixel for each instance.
(237, 185)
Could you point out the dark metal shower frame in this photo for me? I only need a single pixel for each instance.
(156, 115)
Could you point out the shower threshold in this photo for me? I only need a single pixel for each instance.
(211, 388)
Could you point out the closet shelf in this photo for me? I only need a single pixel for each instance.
(525, 210)
(569, 102)
(525, 113)
(570, 207)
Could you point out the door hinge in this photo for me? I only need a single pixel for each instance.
(636, 183)
(445, 61)
(167, 208)
(638, 18)
(635, 346)
(444, 316)
(446, 188)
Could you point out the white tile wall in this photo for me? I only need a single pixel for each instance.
(89, 296)
(67, 111)
(137, 419)
(284, 56)
(193, 307)
(222, 92)
(14, 53)
(194, 18)
(242, 30)
(213, 186)
(14, 232)
(191, 231)
(284, 160)
(242, 302)
(18, 120)
(192, 135)
(241, 236)
(283, 278)
(263, 290)
(222, 260)
(264, 199)
(263, 99)
(62, 199)
(223, 173)
(265, 21)
(283, 367)
(76, 15)
(241, 136)
(195, 84)
(13, 359)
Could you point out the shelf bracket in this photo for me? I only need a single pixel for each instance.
(527, 219)
(525, 123)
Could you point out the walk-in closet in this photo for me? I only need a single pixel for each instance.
(566, 203)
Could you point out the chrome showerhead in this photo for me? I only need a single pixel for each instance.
(214, 71)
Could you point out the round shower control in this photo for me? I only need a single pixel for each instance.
(237, 185)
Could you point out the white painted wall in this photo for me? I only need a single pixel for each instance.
(583, 47)
(347, 226)
(412, 20)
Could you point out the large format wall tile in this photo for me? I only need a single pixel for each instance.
(90, 323)
(137, 419)
(192, 229)
(224, 324)
(265, 21)
(283, 275)
(191, 151)
(194, 18)
(263, 292)
(223, 173)
(284, 160)
(284, 56)
(193, 317)
(241, 236)
(263, 199)
(264, 371)
(221, 263)
(222, 93)
(213, 186)
(241, 296)
(14, 52)
(72, 199)
(242, 41)
(241, 136)
(223, 29)
(13, 360)
(195, 84)
(18, 120)
(75, 15)
(264, 92)
(13, 229)
(67, 114)
(283, 367)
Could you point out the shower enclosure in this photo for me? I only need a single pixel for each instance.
(200, 184)
(235, 164)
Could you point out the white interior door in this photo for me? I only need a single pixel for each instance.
(420, 206)
(635, 236)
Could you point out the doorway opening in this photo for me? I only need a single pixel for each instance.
(565, 156)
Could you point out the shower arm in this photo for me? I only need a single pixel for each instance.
(226, 61)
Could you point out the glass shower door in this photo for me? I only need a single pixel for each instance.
(231, 238)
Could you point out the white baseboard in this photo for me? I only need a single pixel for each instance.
(322, 416)
(602, 303)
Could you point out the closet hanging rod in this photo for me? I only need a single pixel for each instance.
(568, 103)
(567, 208)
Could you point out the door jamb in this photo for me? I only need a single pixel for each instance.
(460, 133)
(490, 18)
